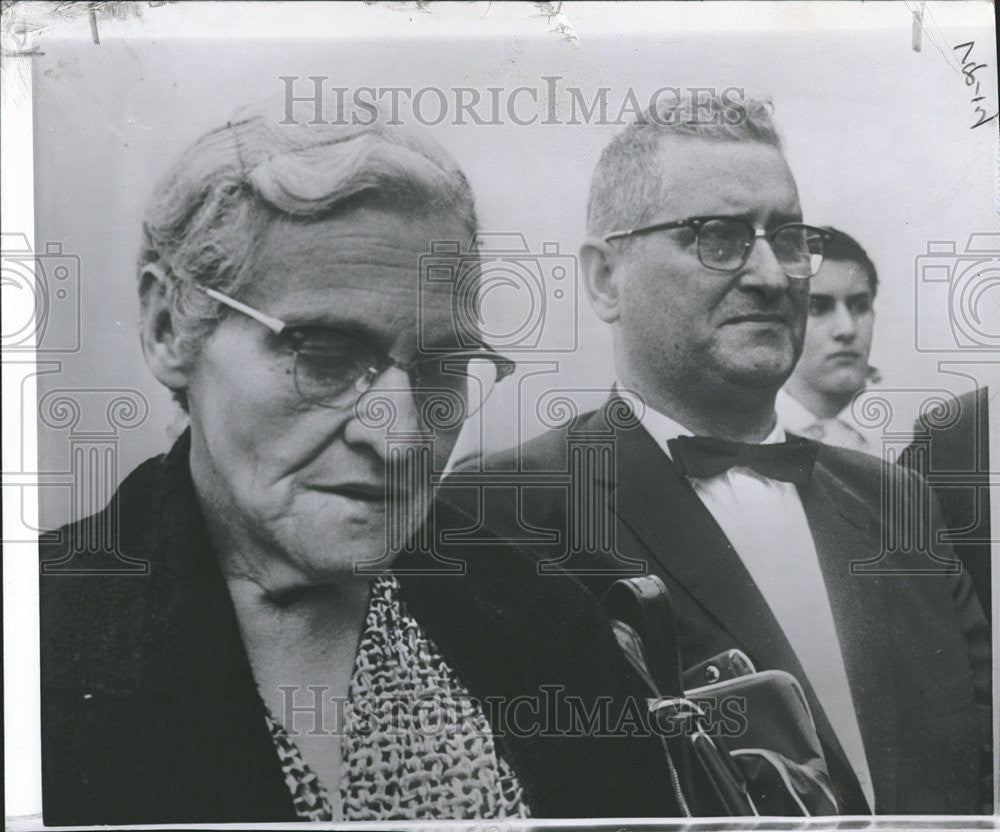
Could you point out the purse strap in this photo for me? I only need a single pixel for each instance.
(705, 780)
(643, 605)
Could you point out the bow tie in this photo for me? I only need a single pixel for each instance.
(703, 456)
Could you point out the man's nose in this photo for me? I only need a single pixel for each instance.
(385, 411)
(763, 272)
(844, 326)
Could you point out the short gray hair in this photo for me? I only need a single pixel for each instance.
(209, 212)
(626, 190)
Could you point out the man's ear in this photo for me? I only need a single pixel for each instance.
(601, 278)
(161, 345)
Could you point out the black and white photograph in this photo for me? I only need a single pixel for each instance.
(489, 415)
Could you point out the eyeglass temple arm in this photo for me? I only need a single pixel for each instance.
(274, 324)
(507, 366)
(662, 226)
(665, 226)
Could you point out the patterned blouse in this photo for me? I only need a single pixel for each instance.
(416, 745)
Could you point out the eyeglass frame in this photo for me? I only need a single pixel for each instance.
(504, 366)
(696, 224)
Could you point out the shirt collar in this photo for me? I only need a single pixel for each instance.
(797, 417)
(662, 428)
(793, 414)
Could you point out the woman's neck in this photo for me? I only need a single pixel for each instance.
(301, 646)
(320, 618)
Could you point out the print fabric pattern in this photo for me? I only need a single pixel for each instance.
(416, 744)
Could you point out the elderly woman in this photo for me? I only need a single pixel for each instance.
(266, 665)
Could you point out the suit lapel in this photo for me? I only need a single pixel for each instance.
(845, 530)
(659, 507)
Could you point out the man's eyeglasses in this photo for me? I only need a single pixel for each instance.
(724, 243)
(334, 369)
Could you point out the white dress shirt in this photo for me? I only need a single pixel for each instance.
(766, 524)
(841, 430)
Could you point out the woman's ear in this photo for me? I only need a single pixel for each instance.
(601, 279)
(161, 344)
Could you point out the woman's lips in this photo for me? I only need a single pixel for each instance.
(363, 492)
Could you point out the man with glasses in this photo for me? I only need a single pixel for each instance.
(698, 258)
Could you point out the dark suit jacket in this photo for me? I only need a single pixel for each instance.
(954, 459)
(150, 713)
(602, 499)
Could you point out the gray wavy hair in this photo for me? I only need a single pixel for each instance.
(209, 212)
(626, 189)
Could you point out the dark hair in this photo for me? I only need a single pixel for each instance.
(843, 247)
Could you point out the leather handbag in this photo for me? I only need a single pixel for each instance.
(739, 742)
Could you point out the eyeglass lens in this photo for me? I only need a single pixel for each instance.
(725, 244)
(447, 389)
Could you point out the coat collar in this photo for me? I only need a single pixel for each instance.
(169, 664)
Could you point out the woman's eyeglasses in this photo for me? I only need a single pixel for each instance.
(724, 243)
(335, 369)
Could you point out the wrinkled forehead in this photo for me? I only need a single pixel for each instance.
(392, 275)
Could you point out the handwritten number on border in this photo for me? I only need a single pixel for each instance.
(969, 70)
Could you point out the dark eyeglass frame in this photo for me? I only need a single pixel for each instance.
(296, 337)
(697, 223)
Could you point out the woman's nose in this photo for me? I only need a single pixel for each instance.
(386, 410)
